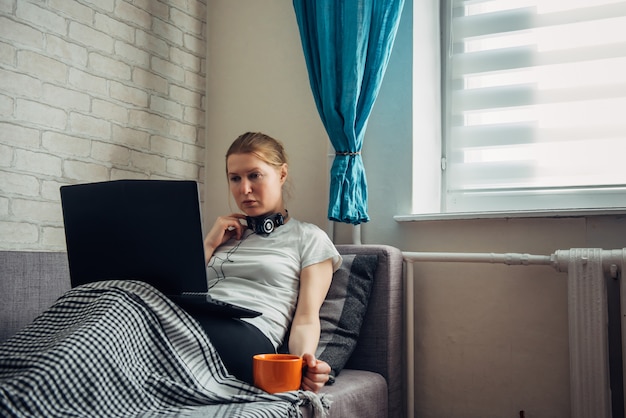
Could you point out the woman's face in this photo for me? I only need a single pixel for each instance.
(255, 185)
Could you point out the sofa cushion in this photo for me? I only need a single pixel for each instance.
(356, 393)
(342, 312)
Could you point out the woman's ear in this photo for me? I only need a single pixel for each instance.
(284, 171)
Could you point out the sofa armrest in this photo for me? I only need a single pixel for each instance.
(380, 344)
(30, 282)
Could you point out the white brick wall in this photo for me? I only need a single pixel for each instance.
(94, 90)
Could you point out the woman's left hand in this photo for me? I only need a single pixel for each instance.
(316, 373)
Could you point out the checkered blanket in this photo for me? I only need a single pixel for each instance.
(122, 349)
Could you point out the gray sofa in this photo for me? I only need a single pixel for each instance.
(369, 386)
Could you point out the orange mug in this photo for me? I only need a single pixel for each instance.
(276, 373)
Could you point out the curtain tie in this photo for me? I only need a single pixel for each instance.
(348, 153)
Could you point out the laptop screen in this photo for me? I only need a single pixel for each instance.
(148, 230)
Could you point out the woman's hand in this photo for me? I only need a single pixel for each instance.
(224, 228)
(316, 373)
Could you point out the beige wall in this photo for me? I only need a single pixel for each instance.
(93, 91)
(490, 340)
(257, 81)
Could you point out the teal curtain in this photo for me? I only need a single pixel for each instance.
(347, 44)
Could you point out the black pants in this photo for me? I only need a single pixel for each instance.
(236, 341)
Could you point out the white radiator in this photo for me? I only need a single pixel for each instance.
(587, 272)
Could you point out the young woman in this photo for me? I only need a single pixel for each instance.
(122, 348)
(284, 274)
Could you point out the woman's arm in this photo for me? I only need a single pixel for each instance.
(224, 228)
(305, 328)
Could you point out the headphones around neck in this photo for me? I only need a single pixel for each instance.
(265, 224)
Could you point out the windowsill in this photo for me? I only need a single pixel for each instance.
(561, 213)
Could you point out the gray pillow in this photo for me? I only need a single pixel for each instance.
(341, 314)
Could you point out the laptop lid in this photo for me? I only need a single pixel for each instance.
(148, 230)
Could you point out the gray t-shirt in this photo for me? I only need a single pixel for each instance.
(262, 272)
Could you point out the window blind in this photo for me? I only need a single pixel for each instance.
(535, 105)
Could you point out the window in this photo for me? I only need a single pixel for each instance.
(534, 105)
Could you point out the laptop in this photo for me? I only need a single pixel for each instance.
(147, 230)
